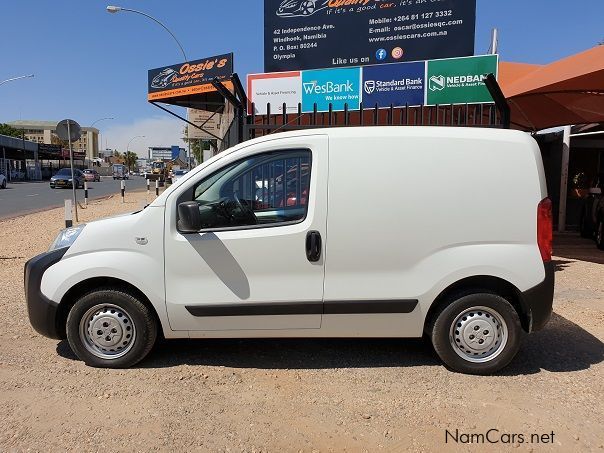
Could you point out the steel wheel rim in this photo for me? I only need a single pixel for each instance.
(478, 334)
(107, 331)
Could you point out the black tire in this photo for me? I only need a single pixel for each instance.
(138, 319)
(442, 333)
(600, 234)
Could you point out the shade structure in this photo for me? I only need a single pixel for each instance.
(568, 91)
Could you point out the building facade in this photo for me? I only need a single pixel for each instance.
(46, 132)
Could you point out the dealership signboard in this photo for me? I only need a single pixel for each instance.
(276, 89)
(331, 86)
(310, 34)
(448, 81)
(208, 121)
(396, 84)
(459, 80)
(190, 78)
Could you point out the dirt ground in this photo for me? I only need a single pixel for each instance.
(300, 395)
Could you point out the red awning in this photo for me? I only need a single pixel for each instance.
(568, 91)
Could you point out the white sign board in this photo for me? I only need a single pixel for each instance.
(209, 121)
(276, 89)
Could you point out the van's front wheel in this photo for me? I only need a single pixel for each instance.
(477, 334)
(109, 328)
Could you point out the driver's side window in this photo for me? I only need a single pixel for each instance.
(264, 189)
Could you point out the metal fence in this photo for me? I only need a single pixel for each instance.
(468, 115)
(246, 126)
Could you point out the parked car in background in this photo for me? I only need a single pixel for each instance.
(92, 175)
(17, 175)
(63, 179)
(177, 174)
(120, 171)
(2, 181)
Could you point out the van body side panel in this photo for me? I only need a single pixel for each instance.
(249, 278)
(410, 214)
(109, 248)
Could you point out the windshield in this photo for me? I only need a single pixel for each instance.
(179, 172)
(158, 165)
(64, 172)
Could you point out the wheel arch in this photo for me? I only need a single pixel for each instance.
(481, 283)
(88, 285)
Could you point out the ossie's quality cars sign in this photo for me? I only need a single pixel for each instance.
(193, 77)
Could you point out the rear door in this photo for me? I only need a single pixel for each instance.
(247, 271)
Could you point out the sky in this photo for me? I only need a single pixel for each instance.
(90, 64)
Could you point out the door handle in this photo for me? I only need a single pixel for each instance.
(313, 246)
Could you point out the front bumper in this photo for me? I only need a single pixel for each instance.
(42, 311)
(65, 184)
(538, 301)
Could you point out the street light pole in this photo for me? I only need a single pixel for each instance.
(16, 78)
(98, 121)
(117, 9)
(128, 147)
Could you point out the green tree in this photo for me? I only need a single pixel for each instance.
(6, 129)
(129, 159)
(197, 146)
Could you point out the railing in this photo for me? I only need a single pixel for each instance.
(457, 115)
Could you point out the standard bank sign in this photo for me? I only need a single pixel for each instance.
(331, 86)
(397, 84)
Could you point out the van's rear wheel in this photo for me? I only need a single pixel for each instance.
(477, 334)
(109, 328)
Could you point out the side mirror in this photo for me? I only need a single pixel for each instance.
(189, 218)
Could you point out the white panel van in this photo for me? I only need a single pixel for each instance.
(345, 232)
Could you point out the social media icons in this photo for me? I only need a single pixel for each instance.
(381, 54)
(397, 53)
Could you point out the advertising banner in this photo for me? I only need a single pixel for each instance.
(189, 78)
(460, 80)
(310, 34)
(331, 86)
(210, 121)
(276, 89)
(396, 84)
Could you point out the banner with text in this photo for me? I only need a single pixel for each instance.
(331, 86)
(459, 80)
(276, 89)
(208, 121)
(193, 77)
(394, 84)
(448, 81)
(310, 34)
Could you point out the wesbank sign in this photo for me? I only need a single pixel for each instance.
(448, 81)
(331, 86)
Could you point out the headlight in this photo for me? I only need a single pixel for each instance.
(66, 237)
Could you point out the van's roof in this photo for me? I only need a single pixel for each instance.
(476, 133)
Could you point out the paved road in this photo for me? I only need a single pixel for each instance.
(21, 198)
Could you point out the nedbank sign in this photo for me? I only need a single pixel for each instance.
(459, 80)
